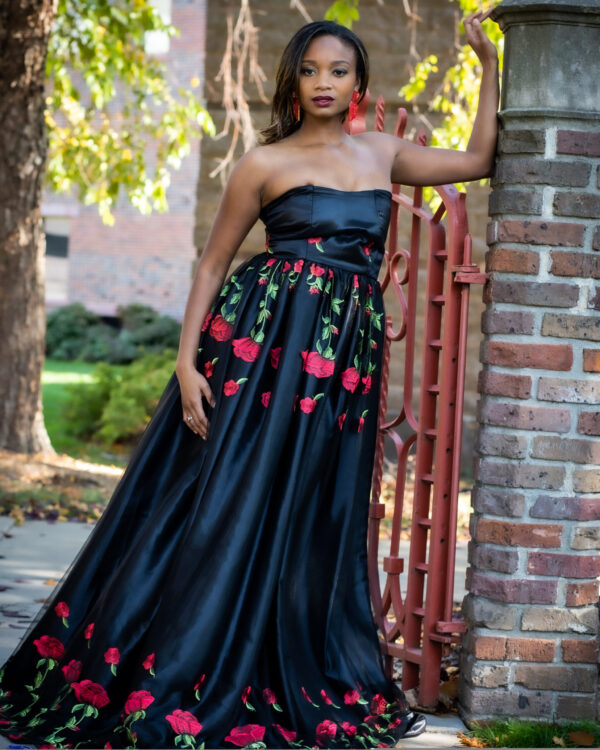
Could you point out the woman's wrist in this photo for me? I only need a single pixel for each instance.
(183, 365)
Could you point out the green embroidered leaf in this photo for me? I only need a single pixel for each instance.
(259, 337)
(40, 662)
(328, 353)
(319, 348)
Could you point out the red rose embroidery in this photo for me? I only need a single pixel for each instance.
(265, 398)
(246, 348)
(355, 281)
(325, 730)
(317, 365)
(287, 734)
(286, 266)
(206, 321)
(352, 696)
(209, 368)
(350, 729)
(275, 353)
(220, 329)
(72, 670)
(246, 693)
(49, 647)
(89, 630)
(314, 240)
(367, 248)
(246, 735)
(316, 270)
(271, 261)
(91, 693)
(369, 289)
(361, 421)
(269, 696)
(313, 290)
(366, 384)
(298, 265)
(307, 404)
(341, 420)
(330, 274)
(378, 704)
(350, 379)
(325, 697)
(199, 683)
(306, 695)
(232, 386)
(148, 662)
(262, 281)
(62, 609)
(183, 722)
(138, 700)
(112, 656)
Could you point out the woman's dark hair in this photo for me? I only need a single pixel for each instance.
(283, 122)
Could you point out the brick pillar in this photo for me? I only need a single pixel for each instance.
(532, 608)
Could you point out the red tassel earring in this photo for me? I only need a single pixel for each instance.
(353, 107)
(296, 107)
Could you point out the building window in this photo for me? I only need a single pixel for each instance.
(56, 229)
(157, 42)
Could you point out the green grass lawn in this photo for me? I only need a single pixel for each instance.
(514, 733)
(55, 377)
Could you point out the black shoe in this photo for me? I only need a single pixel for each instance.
(415, 724)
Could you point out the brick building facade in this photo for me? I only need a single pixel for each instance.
(145, 259)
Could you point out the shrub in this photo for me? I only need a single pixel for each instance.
(73, 332)
(67, 330)
(118, 405)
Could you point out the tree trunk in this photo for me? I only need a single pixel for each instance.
(24, 30)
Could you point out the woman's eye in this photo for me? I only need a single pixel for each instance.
(341, 71)
(306, 71)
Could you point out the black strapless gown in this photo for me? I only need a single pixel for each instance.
(222, 599)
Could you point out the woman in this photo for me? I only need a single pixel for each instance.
(222, 599)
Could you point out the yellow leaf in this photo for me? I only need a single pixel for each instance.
(559, 741)
(470, 741)
(582, 738)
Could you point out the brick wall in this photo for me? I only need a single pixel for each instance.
(532, 646)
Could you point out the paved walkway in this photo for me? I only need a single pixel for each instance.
(35, 555)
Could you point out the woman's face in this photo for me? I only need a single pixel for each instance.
(327, 76)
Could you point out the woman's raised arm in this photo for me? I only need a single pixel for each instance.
(417, 165)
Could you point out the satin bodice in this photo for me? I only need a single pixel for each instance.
(344, 228)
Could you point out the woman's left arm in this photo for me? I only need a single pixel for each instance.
(418, 165)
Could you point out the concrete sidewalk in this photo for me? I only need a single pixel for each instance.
(35, 555)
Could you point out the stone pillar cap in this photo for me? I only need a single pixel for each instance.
(532, 11)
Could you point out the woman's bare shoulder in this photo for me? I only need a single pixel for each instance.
(382, 144)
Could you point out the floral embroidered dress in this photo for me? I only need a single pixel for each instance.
(222, 599)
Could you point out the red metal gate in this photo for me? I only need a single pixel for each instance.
(416, 624)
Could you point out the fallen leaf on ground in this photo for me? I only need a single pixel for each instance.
(582, 738)
(470, 741)
(559, 741)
